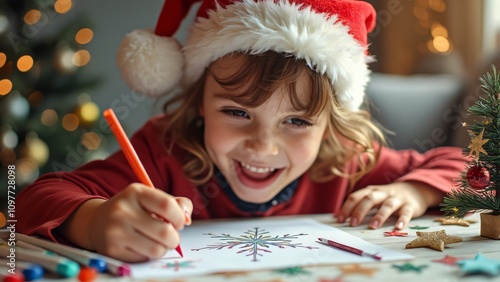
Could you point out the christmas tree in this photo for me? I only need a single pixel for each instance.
(48, 122)
(479, 185)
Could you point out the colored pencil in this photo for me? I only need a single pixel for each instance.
(130, 153)
(81, 256)
(348, 248)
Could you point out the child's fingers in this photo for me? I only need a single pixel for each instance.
(187, 206)
(405, 215)
(360, 203)
(157, 229)
(162, 205)
(141, 244)
(388, 207)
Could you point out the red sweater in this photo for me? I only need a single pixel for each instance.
(45, 204)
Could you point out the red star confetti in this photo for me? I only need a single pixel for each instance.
(395, 233)
(449, 260)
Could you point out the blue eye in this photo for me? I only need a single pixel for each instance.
(298, 122)
(235, 113)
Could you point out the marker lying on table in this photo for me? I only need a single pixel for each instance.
(30, 271)
(130, 153)
(57, 264)
(81, 256)
(348, 248)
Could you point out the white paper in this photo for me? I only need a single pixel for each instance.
(247, 245)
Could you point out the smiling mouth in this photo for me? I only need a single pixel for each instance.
(256, 177)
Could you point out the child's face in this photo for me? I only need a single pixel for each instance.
(259, 150)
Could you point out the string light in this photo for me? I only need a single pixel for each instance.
(81, 58)
(91, 141)
(70, 122)
(3, 59)
(424, 11)
(32, 17)
(25, 63)
(35, 98)
(5, 86)
(84, 36)
(49, 117)
(63, 6)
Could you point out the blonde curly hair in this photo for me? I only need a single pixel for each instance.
(350, 134)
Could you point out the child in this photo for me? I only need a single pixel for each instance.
(270, 124)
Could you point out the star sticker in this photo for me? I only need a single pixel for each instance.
(357, 269)
(476, 144)
(480, 264)
(464, 124)
(230, 274)
(409, 267)
(418, 227)
(395, 233)
(292, 271)
(454, 221)
(435, 240)
(336, 279)
(449, 260)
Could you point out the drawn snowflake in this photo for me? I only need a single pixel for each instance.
(255, 242)
(176, 265)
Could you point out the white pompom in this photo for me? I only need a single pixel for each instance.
(150, 64)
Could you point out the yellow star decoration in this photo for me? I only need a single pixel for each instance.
(464, 124)
(476, 144)
(435, 240)
(357, 269)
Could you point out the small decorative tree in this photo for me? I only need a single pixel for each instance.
(479, 186)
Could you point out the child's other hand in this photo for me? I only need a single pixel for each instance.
(406, 199)
(124, 227)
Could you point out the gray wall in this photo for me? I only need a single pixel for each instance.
(110, 21)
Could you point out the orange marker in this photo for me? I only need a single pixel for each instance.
(130, 153)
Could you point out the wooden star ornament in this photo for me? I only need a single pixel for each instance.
(435, 240)
(455, 221)
(476, 144)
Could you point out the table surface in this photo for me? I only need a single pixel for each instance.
(471, 245)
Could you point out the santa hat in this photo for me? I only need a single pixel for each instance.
(330, 35)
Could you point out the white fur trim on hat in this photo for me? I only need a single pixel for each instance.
(256, 27)
(150, 64)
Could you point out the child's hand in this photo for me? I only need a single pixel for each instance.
(124, 227)
(406, 199)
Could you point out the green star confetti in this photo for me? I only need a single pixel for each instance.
(292, 271)
(409, 267)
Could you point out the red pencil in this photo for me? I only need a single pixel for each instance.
(348, 248)
(130, 153)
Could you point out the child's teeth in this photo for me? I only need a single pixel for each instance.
(257, 169)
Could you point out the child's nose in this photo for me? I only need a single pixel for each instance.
(262, 143)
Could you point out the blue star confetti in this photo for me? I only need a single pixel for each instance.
(480, 265)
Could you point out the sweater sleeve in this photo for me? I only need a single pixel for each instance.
(439, 168)
(45, 204)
